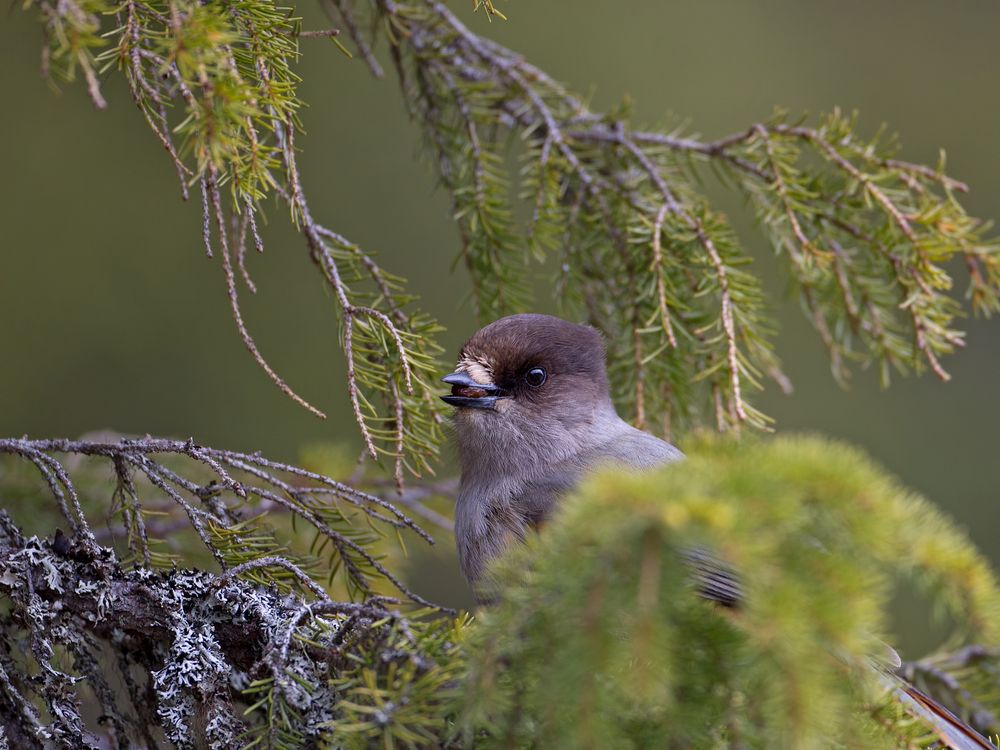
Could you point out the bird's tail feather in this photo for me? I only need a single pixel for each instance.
(951, 730)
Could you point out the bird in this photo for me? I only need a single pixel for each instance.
(533, 416)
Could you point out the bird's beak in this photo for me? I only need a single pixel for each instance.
(466, 392)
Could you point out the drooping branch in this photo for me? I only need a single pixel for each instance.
(228, 72)
(915, 218)
(868, 236)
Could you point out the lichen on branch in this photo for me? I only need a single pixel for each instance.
(253, 651)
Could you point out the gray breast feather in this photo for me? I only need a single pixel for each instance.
(496, 508)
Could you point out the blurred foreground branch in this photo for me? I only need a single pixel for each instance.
(599, 635)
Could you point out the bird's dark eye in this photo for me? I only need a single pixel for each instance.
(535, 377)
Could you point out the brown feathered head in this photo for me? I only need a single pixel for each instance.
(529, 361)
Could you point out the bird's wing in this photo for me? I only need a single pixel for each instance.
(634, 448)
(712, 579)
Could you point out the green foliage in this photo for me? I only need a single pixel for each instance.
(601, 641)
(868, 238)
(391, 684)
(535, 175)
(407, 703)
(219, 77)
(890, 220)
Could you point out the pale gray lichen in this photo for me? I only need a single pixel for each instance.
(194, 670)
(95, 652)
(203, 642)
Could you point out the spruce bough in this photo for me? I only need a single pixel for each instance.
(298, 633)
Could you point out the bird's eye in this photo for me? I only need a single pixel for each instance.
(535, 377)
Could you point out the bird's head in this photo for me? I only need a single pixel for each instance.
(526, 379)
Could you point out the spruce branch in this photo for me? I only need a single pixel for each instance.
(220, 522)
(521, 98)
(868, 236)
(909, 219)
(599, 635)
(216, 86)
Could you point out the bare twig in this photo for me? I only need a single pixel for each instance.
(227, 265)
(347, 14)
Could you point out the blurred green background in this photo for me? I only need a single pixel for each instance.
(114, 318)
